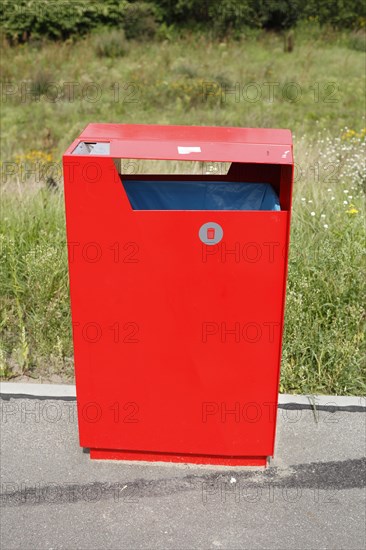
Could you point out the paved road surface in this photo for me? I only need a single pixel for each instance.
(54, 497)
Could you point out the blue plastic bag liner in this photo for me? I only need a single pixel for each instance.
(200, 195)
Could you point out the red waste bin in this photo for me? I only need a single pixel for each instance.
(177, 313)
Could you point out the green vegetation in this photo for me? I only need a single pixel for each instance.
(32, 19)
(324, 343)
(50, 93)
(51, 90)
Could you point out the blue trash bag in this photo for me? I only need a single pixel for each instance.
(200, 195)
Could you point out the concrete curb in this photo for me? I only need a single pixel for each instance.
(285, 401)
(348, 403)
(38, 391)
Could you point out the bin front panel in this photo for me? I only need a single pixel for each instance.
(177, 344)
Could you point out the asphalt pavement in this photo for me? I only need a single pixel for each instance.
(311, 496)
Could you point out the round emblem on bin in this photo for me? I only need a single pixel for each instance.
(211, 233)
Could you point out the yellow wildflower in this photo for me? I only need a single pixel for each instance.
(352, 210)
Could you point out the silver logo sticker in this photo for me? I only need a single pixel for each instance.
(211, 233)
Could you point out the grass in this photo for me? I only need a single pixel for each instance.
(36, 333)
(98, 80)
(166, 81)
(324, 343)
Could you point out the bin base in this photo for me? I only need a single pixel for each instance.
(108, 454)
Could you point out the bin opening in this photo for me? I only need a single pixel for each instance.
(200, 195)
(133, 166)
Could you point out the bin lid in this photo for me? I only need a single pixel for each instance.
(200, 143)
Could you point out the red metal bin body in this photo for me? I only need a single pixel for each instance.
(177, 343)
